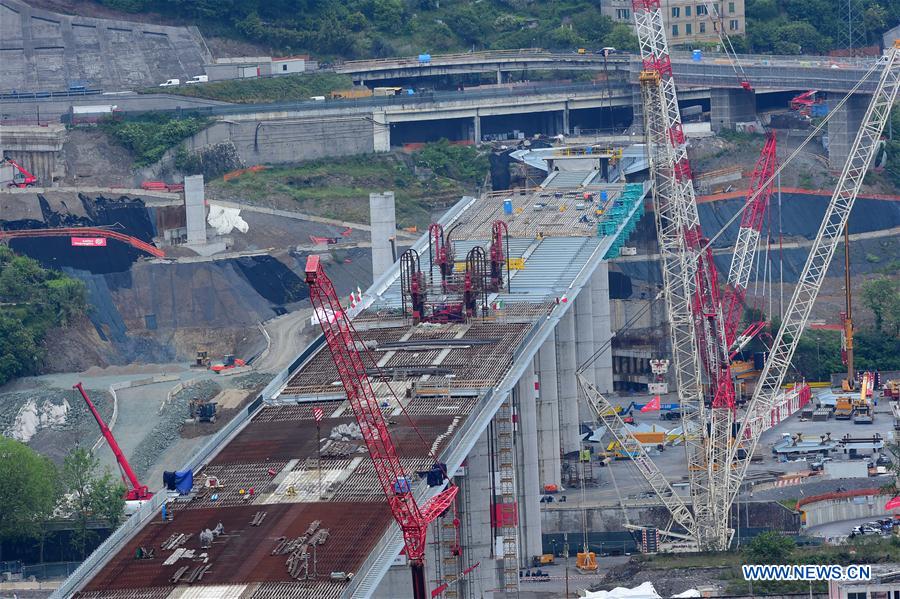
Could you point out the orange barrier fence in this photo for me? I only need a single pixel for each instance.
(86, 232)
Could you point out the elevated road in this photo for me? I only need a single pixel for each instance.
(713, 70)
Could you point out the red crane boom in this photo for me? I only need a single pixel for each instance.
(23, 179)
(137, 490)
(343, 341)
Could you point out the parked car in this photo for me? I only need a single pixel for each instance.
(170, 83)
(198, 79)
(883, 460)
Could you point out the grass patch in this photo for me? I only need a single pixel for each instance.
(271, 89)
(790, 504)
(149, 136)
(339, 187)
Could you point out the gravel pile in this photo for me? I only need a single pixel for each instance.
(168, 429)
(252, 381)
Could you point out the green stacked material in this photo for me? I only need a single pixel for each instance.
(617, 217)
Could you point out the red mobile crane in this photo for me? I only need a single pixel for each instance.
(343, 341)
(137, 491)
(23, 178)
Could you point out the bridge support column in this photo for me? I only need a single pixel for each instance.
(565, 119)
(567, 363)
(842, 128)
(549, 444)
(527, 465)
(477, 120)
(602, 328)
(381, 132)
(584, 342)
(727, 107)
(499, 76)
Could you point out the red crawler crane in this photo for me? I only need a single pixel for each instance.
(343, 341)
(137, 491)
(748, 234)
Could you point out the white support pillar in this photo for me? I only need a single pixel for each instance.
(565, 119)
(568, 388)
(548, 412)
(480, 538)
(381, 132)
(529, 485)
(477, 135)
(584, 341)
(602, 327)
(195, 209)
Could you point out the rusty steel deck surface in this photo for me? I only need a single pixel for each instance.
(243, 553)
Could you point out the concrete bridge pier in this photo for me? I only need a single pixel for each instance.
(567, 363)
(565, 120)
(36, 149)
(381, 132)
(728, 107)
(477, 127)
(843, 126)
(548, 413)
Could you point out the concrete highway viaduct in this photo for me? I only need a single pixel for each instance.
(291, 131)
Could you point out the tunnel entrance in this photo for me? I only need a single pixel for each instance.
(426, 131)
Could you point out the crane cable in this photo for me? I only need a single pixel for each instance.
(726, 45)
(818, 128)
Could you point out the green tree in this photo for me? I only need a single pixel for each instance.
(881, 297)
(28, 490)
(78, 473)
(769, 548)
(19, 352)
(91, 496)
(463, 163)
(108, 498)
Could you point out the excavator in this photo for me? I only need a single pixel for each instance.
(134, 490)
(20, 177)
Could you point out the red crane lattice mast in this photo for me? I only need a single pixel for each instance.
(343, 341)
(137, 491)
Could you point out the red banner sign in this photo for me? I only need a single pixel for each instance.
(89, 242)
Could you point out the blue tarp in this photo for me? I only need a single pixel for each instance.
(184, 481)
(181, 481)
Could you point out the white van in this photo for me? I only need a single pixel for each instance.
(170, 83)
(198, 79)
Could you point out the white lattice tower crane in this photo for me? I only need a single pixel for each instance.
(697, 334)
(862, 152)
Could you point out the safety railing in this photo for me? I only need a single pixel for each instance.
(114, 543)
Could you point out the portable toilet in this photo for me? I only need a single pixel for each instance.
(697, 55)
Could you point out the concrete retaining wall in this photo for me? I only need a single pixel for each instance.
(849, 508)
(290, 140)
(559, 518)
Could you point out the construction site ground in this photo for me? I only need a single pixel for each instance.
(149, 425)
(672, 460)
